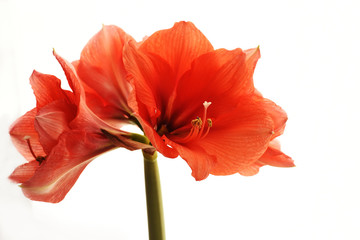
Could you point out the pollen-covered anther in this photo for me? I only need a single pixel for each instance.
(209, 125)
(209, 121)
(197, 122)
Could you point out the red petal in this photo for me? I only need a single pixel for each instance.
(101, 66)
(85, 119)
(178, 46)
(274, 157)
(251, 170)
(58, 173)
(71, 76)
(158, 142)
(24, 172)
(151, 78)
(199, 160)
(47, 88)
(252, 56)
(24, 128)
(96, 103)
(52, 120)
(238, 138)
(278, 115)
(220, 75)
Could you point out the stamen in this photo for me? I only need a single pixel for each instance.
(39, 159)
(209, 122)
(197, 130)
(27, 139)
(194, 130)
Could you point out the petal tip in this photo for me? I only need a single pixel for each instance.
(291, 163)
(199, 178)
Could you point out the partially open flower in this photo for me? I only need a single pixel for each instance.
(60, 137)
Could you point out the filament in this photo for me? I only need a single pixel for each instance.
(198, 125)
(39, 159)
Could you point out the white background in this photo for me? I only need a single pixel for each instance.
(309, 66)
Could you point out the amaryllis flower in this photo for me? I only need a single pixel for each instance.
(201, 104)
(60, 137)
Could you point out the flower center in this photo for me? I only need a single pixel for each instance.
(163, 130)
(198, 126)
(39, 159)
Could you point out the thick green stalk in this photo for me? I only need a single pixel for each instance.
(154, 204)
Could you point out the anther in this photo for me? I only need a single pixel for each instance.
(209, 122)
(40, 159)
(197, 122)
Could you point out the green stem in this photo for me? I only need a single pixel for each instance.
(154, 204)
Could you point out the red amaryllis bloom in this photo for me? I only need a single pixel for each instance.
(103, 75)
(59, 137)
(201, 104)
